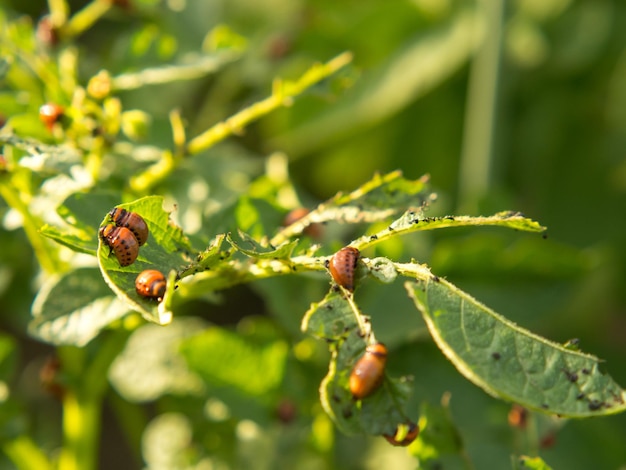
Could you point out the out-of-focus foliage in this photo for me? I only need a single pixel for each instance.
(507, 105)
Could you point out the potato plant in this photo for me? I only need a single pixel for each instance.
(274, 386)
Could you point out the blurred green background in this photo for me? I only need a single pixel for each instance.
(515, 105)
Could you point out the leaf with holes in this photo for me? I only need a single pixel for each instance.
(72, 309)
(378, 199)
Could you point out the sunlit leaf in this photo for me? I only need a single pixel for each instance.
(150, 364)
(414, 221)
(73, 308)
(42, 157)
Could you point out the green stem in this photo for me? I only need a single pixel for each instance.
(25, 454)
(172, 73)
(82, 408)
(58, 12)
(31, 224)
(480, 119)
(282, 95)
(85, 18)
(81, 427)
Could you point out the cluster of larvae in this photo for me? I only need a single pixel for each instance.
(127, 232)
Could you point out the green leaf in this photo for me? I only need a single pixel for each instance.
(378, 199)
(509, 362)
(331, 318)
(166, 250)
(252, 366)
(72, 309)
(81, 241)
(83, 213)
(414, 221)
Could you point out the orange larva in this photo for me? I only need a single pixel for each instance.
(151, 283)
(50, 114)
(369, 371)
(342, 266)
(122, 242)
(132, 221)
(411, 435)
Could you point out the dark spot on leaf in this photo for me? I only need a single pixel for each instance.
(545, 406)
(449, 217)
(544, 236)
(326, 263)
(373, 237)
(571, 376)
(496, 356)
(336, 398)
(347, 413)
(390, 228)
(435, 278)
(416, 221)
(328, 306)
(586, 371)
(580, 396)
(595, 405)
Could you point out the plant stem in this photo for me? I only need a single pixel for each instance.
(81, 426)
(58, 12)
(282, 95)
(31, 224)
(82, 408)
(480, 119)
(25, 454)
(85, 18)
